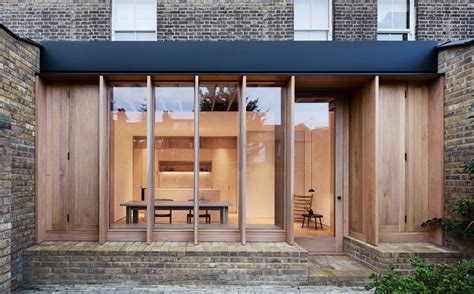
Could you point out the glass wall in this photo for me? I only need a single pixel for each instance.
(218, 132)
(174, 152)
(128, 155)
(265, 155)
(314, 167)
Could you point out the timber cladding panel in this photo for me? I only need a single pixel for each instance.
(18, 63)
(457, 65)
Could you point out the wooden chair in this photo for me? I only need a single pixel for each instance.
(301, 206)
(168, 215)
(205, 215)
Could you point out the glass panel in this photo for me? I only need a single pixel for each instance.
(265, 153)
(314, 168)
(218, 131)
(311, 35)
(146, 36)
(392, 37)
(124, 18)
(320, 14)
(302, 14)
(128, 151)
(125, 36)
(393, 14)
(174, 152)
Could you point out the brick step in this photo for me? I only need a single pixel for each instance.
(165, 263)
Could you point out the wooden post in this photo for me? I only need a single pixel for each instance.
(40, 169)
(150, 160)
(196, 159)
(243, 160)
(290, 161)
(103, 161)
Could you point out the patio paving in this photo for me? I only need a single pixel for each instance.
(337, 270)
(186, 289)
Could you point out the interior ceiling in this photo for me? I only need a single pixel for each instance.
(305, 83)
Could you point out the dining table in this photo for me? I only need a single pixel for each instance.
(132, 208)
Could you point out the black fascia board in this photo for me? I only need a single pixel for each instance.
(239, 57)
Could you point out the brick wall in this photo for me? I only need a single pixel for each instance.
(355, 19)
(444, 19)
(457, 64)
(225, 20)
(58, 19)
(19, 62)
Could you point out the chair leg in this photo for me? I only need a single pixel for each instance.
(320, 223)
(302, 225)
(315, 223)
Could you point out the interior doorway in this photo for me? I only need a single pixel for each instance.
(314, 157)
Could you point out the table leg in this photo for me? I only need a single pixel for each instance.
(302, 225)
(226, 215)
(222, 215)
(135, 216)
(315, 223)
(127, 214)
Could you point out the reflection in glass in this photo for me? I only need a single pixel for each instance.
(218, 131)
(314, 167)
(265, 154)
(174, 152)
(128, 153)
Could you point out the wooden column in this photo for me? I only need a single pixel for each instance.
(103, 161)
(242, 160)
(40, 169)
(290, 161)
(150, 197)
(436, 156)
(196, 159)
(339, 172)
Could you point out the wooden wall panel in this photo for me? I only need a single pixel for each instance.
(417, 150)
(56, 157)
(355, 162)
(41, 178)
(363, 151)
(391, 161)
(84, 157)
(436, 156)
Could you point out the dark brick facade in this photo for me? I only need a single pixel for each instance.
(19, 62)
(444, 20)
(354, 19)
(458, 66)
(58, 19)
(225, 20)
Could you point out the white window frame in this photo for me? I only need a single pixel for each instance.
(410, 32)
(322, 29)
(113, 22)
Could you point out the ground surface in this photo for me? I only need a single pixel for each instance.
(186, 289)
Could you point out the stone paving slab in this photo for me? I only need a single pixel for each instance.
(186, 289)
(337, 270)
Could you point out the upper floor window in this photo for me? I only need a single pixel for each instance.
(313, 19)
(134, 20)
(395, 20)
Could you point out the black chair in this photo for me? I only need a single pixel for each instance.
(168, 215)
(205, 215)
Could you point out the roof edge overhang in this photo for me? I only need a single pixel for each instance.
(239, 57)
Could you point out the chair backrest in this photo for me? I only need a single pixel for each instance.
(301, 205)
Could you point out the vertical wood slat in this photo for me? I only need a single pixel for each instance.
(339, 173)
(40, 174)
(345, 195)
(436, 156)
(196, 159)
(243, 161)
(103, 161)
(289, 161)
(151, 161)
